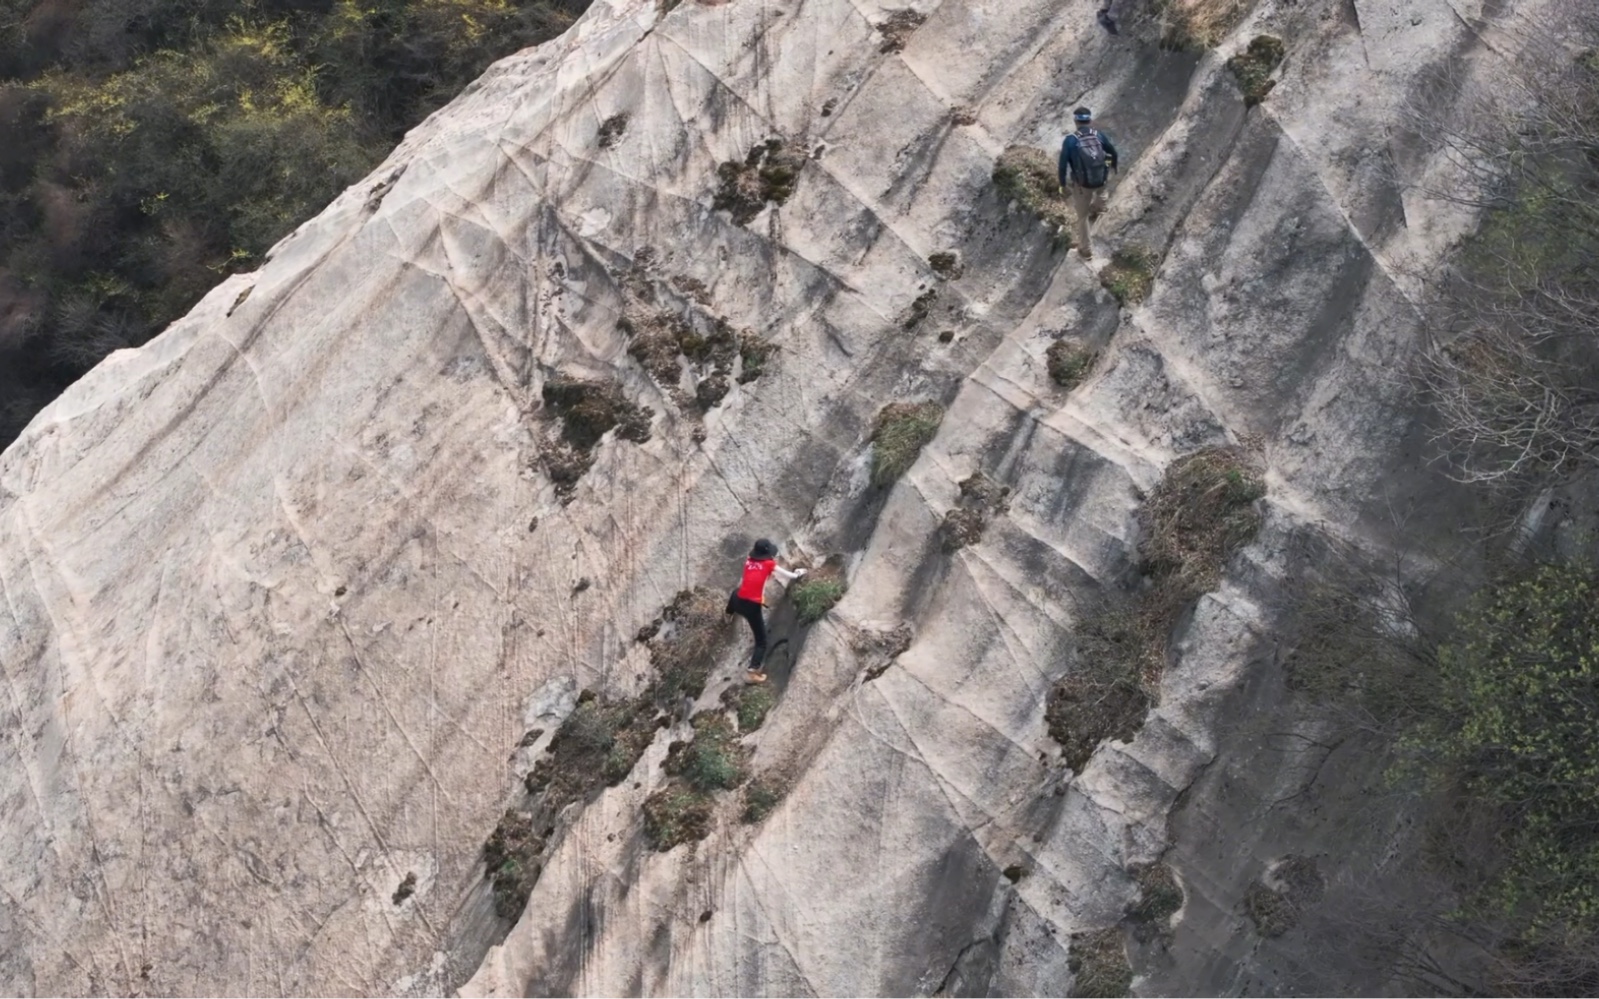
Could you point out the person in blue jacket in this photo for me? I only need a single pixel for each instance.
(1087, 158)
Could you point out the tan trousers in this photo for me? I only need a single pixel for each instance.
(1088, 201)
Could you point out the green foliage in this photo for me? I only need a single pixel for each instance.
(1028, 177)
(1253, 67)
(903, 429)
(814, 597)
(1130, 275)
(713, 760)
(1069, 362)
(751, 703)
(1518, 700)
(154, 148)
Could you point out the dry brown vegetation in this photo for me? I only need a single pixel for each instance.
(1202, 512)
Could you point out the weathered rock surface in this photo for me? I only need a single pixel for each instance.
(285, 589)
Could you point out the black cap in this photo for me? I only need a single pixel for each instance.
(1083, 114)
(764, 548)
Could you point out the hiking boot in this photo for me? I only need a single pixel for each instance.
(1085, 254)
(751, 676)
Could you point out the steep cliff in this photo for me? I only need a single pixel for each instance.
(300, 593)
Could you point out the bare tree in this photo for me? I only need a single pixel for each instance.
(1514, 366)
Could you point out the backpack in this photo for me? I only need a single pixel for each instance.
(1091, 159)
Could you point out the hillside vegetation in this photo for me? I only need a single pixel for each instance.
(1490, 708)
(154, 146)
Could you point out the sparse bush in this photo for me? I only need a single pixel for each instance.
(597, 746)
(981, 499)
(1069, 361)
(767, 175)
(1518, 698)
(1198, 24)
(1098, 963)
(1275, 903)
(1103, 697)
(920, 309)
(511, 859)
(898, 28)
(814, 598)
(1254, 66)
(714, 759)
(695, 631)
(1028, 177)
(1130, 275)
(1516, 353)
(1200, 514)
(945, 264)
(1159, 896)
(750, 703)
(761, 795)
(903, 429)
(677, 814)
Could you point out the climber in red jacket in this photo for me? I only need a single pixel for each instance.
(749, 600)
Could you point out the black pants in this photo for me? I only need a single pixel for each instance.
(752, 612)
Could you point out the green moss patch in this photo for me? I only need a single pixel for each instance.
(1130, 275)
(1069, 361)
(1028, 177)
(903, 429)
(767, 175)
(1253, 67)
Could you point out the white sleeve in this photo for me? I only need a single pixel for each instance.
(783, 575)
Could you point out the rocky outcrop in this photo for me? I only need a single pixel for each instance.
(299, 594)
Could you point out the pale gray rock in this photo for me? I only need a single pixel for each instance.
(286, 588)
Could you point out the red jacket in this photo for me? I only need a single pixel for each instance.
(756, 573)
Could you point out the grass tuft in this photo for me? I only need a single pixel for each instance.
(903, 429)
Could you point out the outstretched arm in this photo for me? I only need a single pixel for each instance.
(784, 575)
(1110, 151)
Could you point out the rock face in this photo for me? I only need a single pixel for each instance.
(286, 589)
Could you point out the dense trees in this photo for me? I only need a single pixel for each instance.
(153, 146)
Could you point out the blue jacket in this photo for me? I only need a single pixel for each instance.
(1071, 161)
